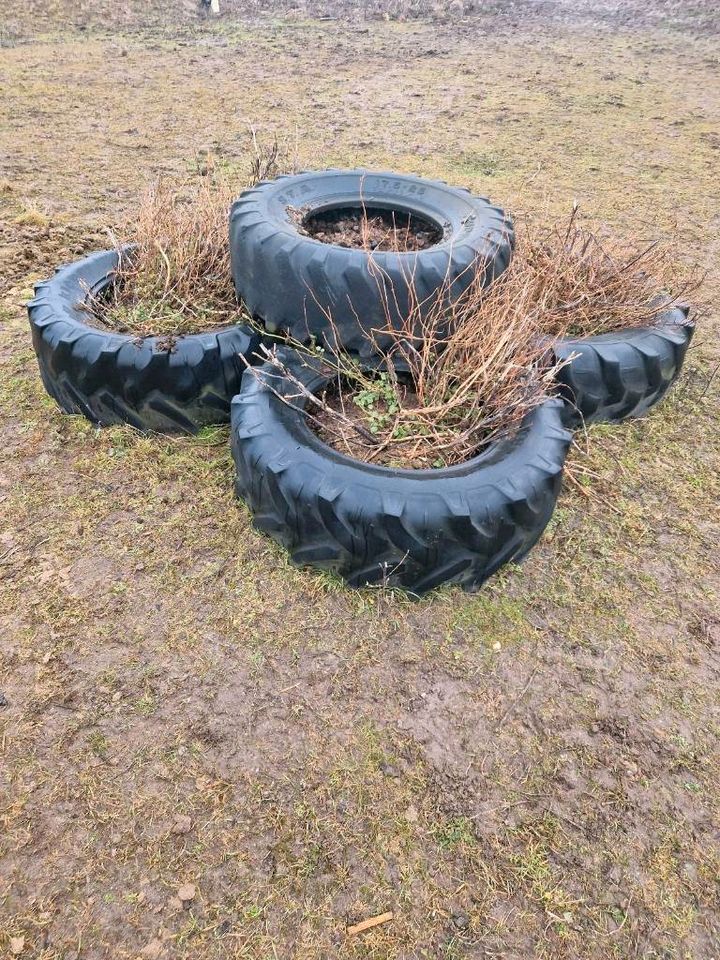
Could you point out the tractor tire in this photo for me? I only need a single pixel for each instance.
(295, 283)
(414, 529)
(614, 376)
(113, 378)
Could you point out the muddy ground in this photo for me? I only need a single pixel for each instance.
(209, 754)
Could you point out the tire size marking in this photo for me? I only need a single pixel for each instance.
(294, 193)
(370, 185)
(399, 187)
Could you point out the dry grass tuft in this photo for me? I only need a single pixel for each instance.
(30, 215)
(584, 283)
(177, 279)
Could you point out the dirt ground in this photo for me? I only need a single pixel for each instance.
(206, 753)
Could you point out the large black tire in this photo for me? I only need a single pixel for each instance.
(415, 529)
(623, 374)
(116, 378)
(292, 281)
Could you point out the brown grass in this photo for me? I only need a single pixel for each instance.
(584, 282)
(177, 279)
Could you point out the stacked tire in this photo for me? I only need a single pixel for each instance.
(414, 529)
(297, 284)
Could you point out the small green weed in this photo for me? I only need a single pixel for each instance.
(456, 832)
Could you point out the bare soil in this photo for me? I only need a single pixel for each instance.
(206, 753)
(371, 437)
(371, 229)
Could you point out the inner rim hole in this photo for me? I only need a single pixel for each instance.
(372, 228)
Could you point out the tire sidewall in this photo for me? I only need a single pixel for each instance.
(154, 382)
(462, 217)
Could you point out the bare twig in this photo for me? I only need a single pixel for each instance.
(369, 923)
(517, 699)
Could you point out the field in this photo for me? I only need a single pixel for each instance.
(206, 753)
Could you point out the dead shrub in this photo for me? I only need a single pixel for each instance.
(177, 279)
(457, 377)
(586, 282)
(452, 379)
